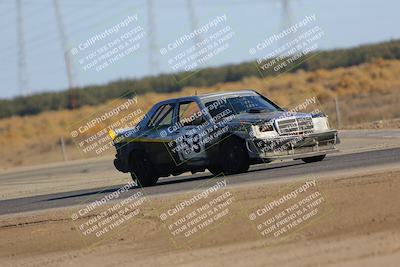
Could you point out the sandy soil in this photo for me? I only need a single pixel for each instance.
(356, 224)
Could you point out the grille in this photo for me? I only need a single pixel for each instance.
(295, 125)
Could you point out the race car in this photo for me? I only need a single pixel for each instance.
(223, 132)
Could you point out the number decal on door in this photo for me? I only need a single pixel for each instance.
(195, 140)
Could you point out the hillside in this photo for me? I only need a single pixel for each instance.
(165, 83)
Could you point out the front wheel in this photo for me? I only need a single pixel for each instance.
(233, 156)
(215, 170)
(143, 171)
(313, 159)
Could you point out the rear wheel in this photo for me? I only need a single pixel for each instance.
(233, 156)
(313, 159)
(143, 170)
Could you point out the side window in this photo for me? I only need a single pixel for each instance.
(190, 114)
(162, 117)
(219, 111)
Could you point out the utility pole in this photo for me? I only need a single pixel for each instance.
(67, 59)
(22, 67)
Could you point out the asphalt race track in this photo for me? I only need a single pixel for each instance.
(256, 173)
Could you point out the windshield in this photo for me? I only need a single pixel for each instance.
(240, 104)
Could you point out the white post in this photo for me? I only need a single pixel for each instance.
(338, 116)
(62, 143)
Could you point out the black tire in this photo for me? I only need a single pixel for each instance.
(313, 159)
(233, 156)
(215, 170)
(143, 171)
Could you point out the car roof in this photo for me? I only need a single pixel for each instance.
(227, 93)
(210, 96)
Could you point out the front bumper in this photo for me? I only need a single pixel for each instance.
(121, 161)
(120, 165)
(294, 146)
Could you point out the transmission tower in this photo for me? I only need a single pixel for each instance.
(67, 59)
(193, 20)
(286, 14)
(153, 51)
(22, 67)
(286, 22)
(63, 37)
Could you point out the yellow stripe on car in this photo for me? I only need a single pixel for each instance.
(148, 140)
(144, 140)
(112, 134)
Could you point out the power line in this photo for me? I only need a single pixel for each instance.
(83, 17)
(41, 38)
(152, 34)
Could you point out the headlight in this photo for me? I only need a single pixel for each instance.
(263, 131)
(265, 127)
(321, 124)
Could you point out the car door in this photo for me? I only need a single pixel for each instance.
(190, 131)
(158, 135)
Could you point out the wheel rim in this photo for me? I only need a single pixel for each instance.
(142, 167)
(232, 162)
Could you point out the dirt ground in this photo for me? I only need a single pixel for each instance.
(381, 124)
(356, 223)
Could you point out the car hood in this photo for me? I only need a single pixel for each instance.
(255, 118)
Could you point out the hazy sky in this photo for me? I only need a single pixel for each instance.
(345, 23)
